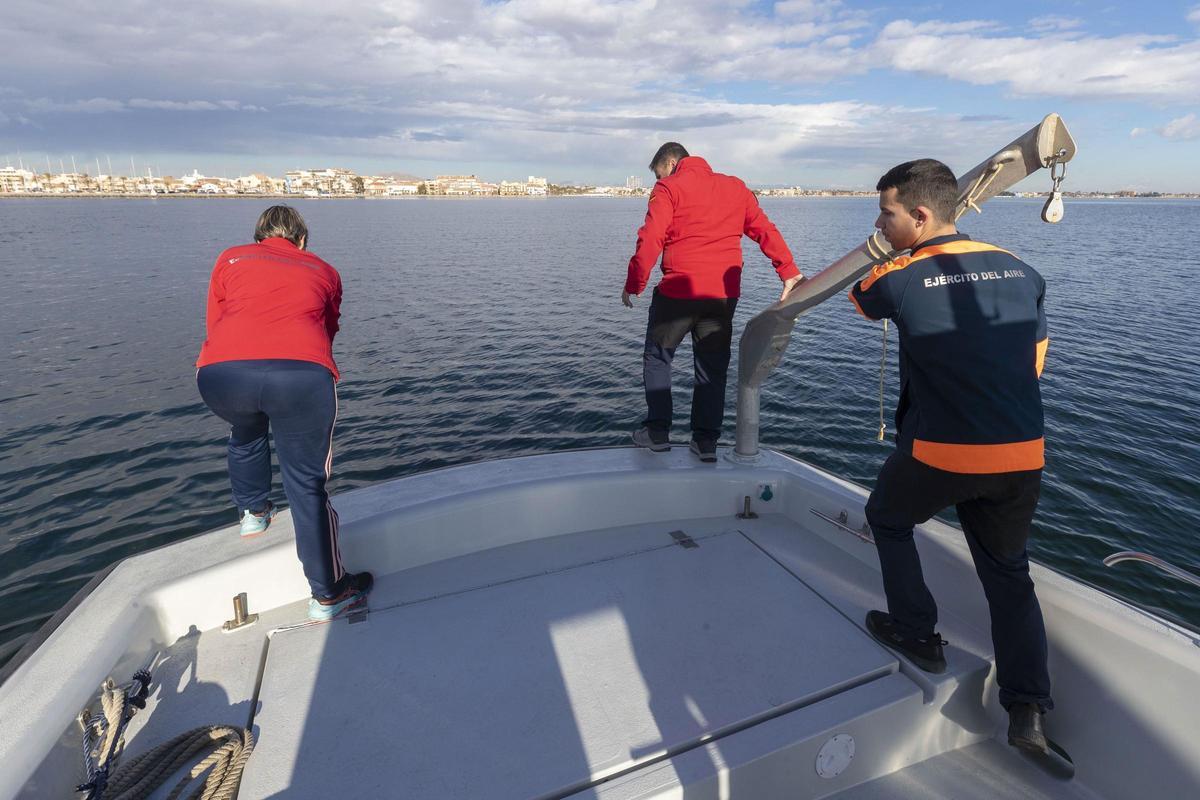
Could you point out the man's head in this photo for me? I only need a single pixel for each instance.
(666, 159)
(282, 222)
(916, 202)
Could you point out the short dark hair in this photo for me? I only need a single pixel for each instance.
(668, 151)
(281, 222)
(924, 182)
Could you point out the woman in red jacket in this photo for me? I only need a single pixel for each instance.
(267, 362)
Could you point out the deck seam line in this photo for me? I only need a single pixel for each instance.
(730, 730)
(824, 599)
(558, 571)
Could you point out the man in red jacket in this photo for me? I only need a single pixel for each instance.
(696, 220)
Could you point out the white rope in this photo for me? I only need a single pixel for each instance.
(981, 184)
(226, 751)
(882, 366)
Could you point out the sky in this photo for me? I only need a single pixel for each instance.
(796, 92)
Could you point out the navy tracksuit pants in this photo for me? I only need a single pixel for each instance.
(298, 402)
(710, 322)
(995, 511)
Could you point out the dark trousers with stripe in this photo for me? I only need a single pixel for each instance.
(297, 401)
(710, 322)
(996, 512)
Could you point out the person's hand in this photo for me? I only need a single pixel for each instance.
(627, 298)
(790, 284)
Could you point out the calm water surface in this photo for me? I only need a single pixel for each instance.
(477, 329)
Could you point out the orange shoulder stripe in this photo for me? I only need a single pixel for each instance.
(949, 248)
(959, 247)
(879, 270)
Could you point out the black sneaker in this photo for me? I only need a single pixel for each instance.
(706, 451)
(925, 653)
(1025, 729)
(653, 441)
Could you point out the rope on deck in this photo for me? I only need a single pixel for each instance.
(227, 749)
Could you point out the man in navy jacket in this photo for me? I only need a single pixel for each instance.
(969, 430)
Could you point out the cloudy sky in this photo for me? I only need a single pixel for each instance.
(794, 92)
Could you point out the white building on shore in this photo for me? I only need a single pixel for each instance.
(460, 186)
(537, 187)
(18, 181)
(329, 181)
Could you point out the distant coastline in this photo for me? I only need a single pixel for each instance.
(812, 195)
(337, 183)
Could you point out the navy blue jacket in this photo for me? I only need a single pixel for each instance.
(972, 342)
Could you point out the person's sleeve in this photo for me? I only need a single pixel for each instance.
(768, 238)
(333, 309)
(216, 299)
(1043, 332)
(650, 238)
(878, 295)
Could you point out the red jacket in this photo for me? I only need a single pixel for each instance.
(272, 300)
(696, 219)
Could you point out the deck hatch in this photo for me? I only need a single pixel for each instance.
(545, 686)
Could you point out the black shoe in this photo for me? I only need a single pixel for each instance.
(1025, 728)
(654, 441)
(925, 653)
(705, 450)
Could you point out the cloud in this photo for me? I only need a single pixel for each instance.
(1183, 128)
(430, 136)
(192, 105)
(174, 105)
(901, 28)
(1049, 23)
(807, 9)
(106, 105)
(847, 143)
(1131, 66)
(550, 47)
(1194, 15)
(8, 119)
(357, 103)
(94, 105)
(476, 82)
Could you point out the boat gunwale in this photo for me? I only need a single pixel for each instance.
(47, 629)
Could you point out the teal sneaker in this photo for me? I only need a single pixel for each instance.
(356, 587)
(254, 524)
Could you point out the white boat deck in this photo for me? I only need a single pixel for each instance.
(575, 647)
(585, 672)
(988, 769)
(549, 667)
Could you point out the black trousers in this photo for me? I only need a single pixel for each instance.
(995, 511)
(710, 322)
